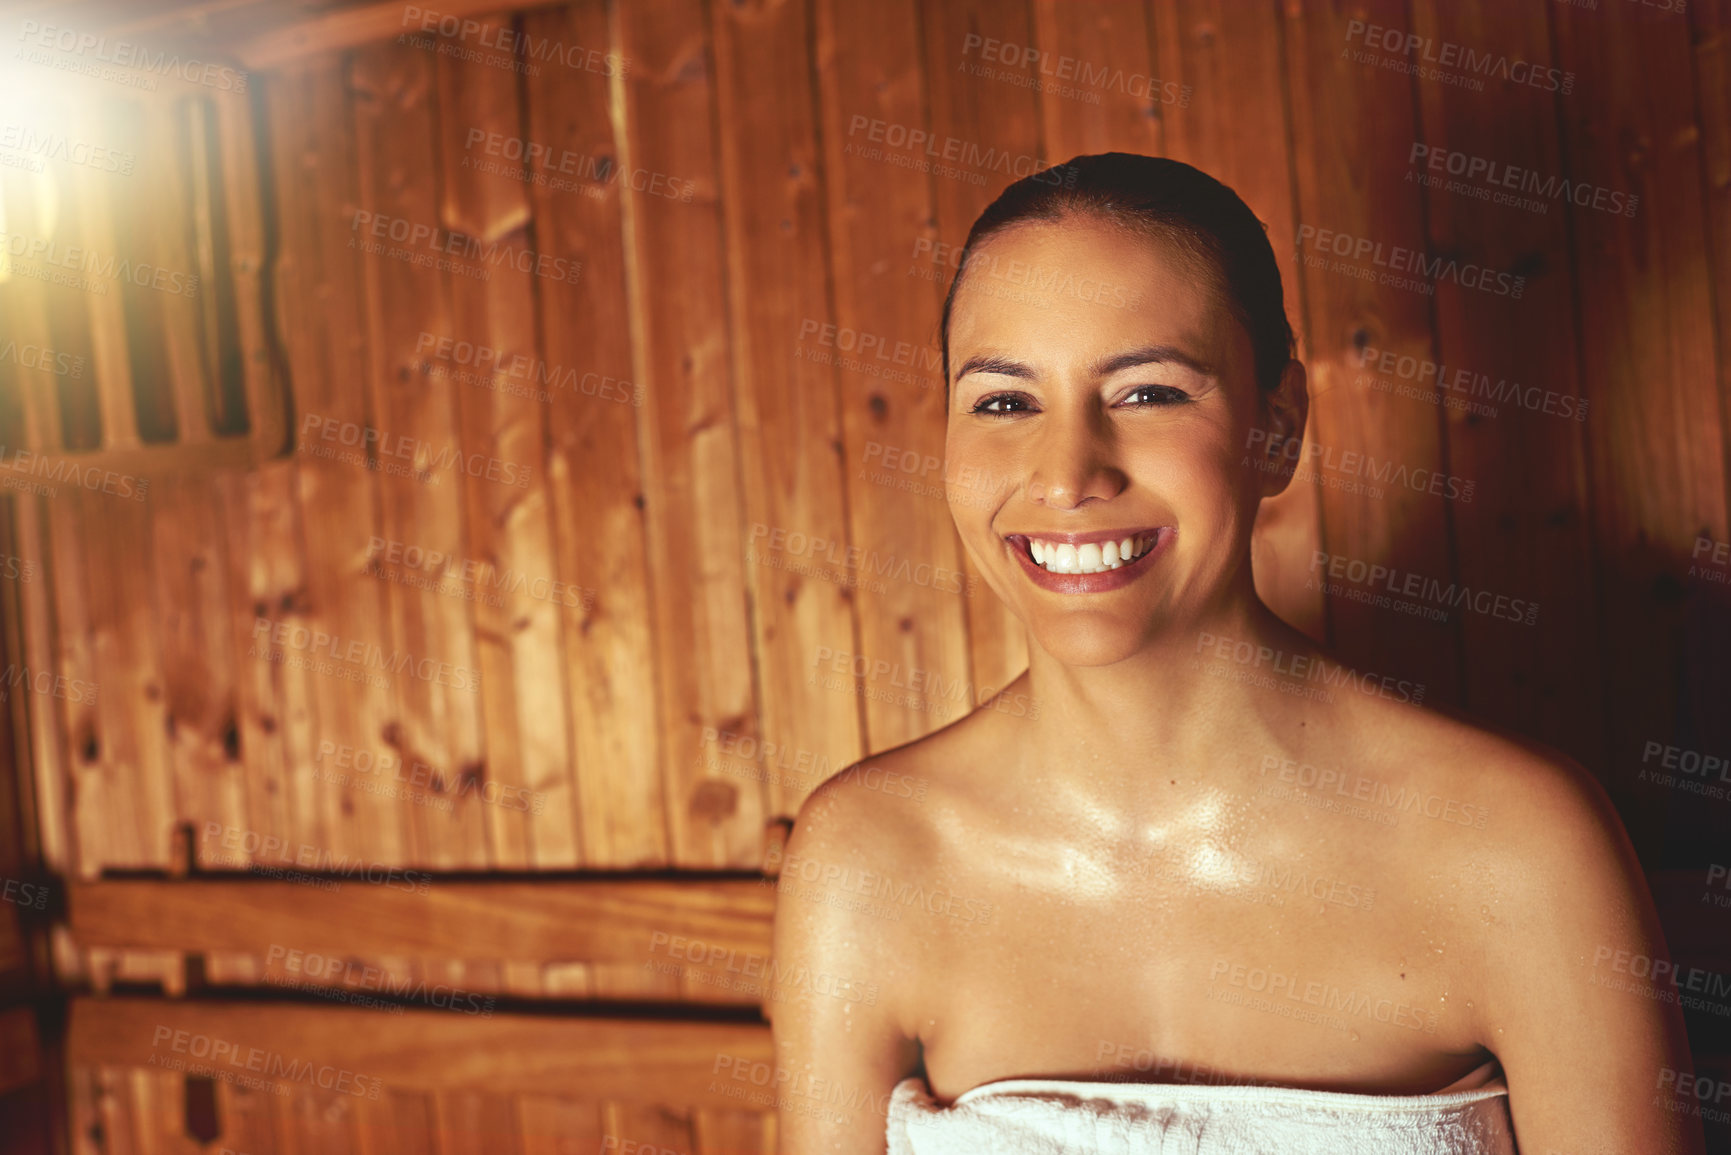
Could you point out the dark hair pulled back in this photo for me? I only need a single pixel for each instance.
(1167, 199)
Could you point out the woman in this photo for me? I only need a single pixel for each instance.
(1212, 890)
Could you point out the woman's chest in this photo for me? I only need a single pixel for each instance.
(1247, 972)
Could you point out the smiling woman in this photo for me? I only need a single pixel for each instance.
(1203, 860)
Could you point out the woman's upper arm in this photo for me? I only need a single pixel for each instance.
(1593, 1054)
(842, 979)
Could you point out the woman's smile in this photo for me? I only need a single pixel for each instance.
(1087, 563)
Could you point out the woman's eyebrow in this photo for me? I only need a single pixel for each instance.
(1152, 355)
(1147, 355)
(991, 363)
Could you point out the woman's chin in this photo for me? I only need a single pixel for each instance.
(1102, 642)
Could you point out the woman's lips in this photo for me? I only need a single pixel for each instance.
(1088, 583)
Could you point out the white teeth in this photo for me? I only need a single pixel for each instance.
(1091, 557)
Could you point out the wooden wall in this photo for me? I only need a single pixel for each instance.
(746, 359)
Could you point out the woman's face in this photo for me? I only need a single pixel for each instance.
(1115, 405)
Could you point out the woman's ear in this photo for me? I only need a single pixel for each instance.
(1284, 411)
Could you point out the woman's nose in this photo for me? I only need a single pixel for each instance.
(1074, 462)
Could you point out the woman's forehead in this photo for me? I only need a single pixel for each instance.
(1081, 288)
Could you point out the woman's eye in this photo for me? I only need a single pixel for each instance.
(1156, 395)
(1002, 403)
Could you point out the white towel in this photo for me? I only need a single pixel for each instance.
(1061, 1117)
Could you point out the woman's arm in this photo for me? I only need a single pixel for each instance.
(1596, 1057)
(843, 977)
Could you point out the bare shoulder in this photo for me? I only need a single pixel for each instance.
(1545, 876)
(1536, 803)
(858, 840)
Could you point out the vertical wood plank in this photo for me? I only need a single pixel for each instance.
(312, 139)
(1524, 536)
(732, 1133)
(594, 471)
(138, 809)
(259, 519)
(472, 1123)
(561, 1126)
(1655, 432)
(789, 425)
(248, 1123)
(531, 813)
(650, 1127)
(690, 453)
(885, 284)
(1344, 110)
(49, 721)
(198, 652)
(1099, 89)
(396, 139)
